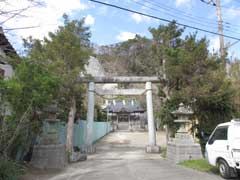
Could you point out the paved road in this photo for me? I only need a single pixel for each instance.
(121, 156)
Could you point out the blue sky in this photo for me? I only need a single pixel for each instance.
(110, 25)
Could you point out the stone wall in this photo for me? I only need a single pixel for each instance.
(49, 156)
(182, 152)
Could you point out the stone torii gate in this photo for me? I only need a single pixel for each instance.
(148, 80)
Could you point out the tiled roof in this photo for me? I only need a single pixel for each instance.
(5, 44)
(120, 107)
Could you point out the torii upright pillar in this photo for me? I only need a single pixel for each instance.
(90, 119)
(152, 146)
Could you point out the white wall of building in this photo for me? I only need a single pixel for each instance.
(8, 70)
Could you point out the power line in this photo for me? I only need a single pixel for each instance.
(203, 23)
(226, 25)
(183, 13)
(212, 3)
(173, 15)
(162, 19)
(189, 15)
(209, 2)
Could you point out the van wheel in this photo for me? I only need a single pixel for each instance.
(224, 169)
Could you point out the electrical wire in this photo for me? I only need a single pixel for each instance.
(226, 28)
(212, 3)
(231, 27)
(172, 15)
(183, 12)
(226, 25)
(163, 19)
(189, 15)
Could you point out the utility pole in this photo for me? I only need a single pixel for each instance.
(217, 3)
(220, 29)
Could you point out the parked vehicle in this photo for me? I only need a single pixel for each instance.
(223, 148)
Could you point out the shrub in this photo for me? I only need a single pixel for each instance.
(10, 170)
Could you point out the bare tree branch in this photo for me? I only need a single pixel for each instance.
(18, 128)
(10, 14)
(14, 15)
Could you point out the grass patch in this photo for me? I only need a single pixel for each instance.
(200, 165)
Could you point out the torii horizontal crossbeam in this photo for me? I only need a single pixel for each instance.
(119, 79)
(116, 92)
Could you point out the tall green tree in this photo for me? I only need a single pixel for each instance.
(165, 37)
(196, 78)
(22, 98)
(235, 78)
(65, 53)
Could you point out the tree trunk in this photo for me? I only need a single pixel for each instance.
(17, 130)
(70, 125)
(167, 134)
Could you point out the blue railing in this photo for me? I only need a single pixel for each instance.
(100, 129)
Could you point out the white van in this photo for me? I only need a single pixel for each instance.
(223, 148)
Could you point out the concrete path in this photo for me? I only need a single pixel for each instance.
(121, 156)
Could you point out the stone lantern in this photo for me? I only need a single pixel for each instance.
(183, 113)
(51, 134)
(183, 147)
(50, 153)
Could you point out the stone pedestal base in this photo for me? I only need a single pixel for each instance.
(153, 149)
(178, 152)
(89, 149)
(77, 156)
(49, 156)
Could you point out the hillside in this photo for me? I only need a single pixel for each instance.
(132, 57)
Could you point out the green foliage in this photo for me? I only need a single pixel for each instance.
(22, 97)
(100, 115)
(194, 77)
(64, 54)
(10, 170)
(235, 79)
(165, 34)
(31, 84)
(165, 112)
(164, 38)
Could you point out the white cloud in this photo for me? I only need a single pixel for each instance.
(214, 44)
(47, 17)
(139, 18)
(89, 20)
(232, 13)
(182, 2)
(136, 17)
(124, 36)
